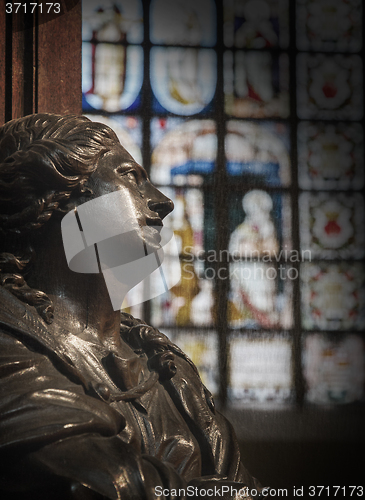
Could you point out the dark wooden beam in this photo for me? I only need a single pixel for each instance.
(40, 61)
(59, 61)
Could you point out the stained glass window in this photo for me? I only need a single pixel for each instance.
(184, 152)
(183, 80)
(260, 370)
(334, 368)
(258, 151)
(330, 155)
(329, 87)
(248, 114)
(256, 24)
(332, 226)
(112, 67)
(329, 25)
(333, 296)
(256, 84)
(185, 22)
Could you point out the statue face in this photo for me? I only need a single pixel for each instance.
(118, 171)
(121, 226)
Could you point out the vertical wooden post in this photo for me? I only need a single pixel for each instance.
(2, 64)
(40, 60)
(59, 62)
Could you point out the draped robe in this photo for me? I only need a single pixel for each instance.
(72, 412)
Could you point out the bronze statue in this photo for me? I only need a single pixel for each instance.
(94, 403)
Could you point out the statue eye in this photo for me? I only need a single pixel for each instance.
(130, 172)
(133, 175)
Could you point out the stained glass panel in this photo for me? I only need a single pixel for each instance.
(256, 24)
(112, 21)
(187, 219)
(333, 296)
(202, 349)
(112, 76)
(259, 152)
(330, 156)
(260, 294)
(260, 370)
(256, 84)
(329, 25)
(183, 80)
(128, 130)
(184, 152)
(185, 22)
(334, 368)
(332, 226)
(329, 87)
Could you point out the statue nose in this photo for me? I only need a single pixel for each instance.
(163, 207)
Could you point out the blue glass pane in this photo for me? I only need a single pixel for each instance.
(258, 152)
(183, 80)
(185, 22)
(112, 21)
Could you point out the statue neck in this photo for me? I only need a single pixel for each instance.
(81, 301)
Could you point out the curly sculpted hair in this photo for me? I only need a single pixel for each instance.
(44, 160)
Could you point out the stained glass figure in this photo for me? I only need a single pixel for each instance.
(330, 156)
(128, 130)
(329, 25)
(333, 296)
(260, 286)
(334, 368)
(202, 349)
(260, 370)
(260, 224)
(112, 76)
(329, 87)
(258, 152)
(332, 226)
(183, 80)
(256, 84)
(184, 152)
(185, 22)
(256, 24)
(112, 69)
(112, 21)
(191, 301)
(187, 219)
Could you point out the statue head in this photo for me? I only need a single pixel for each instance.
(48, 165)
